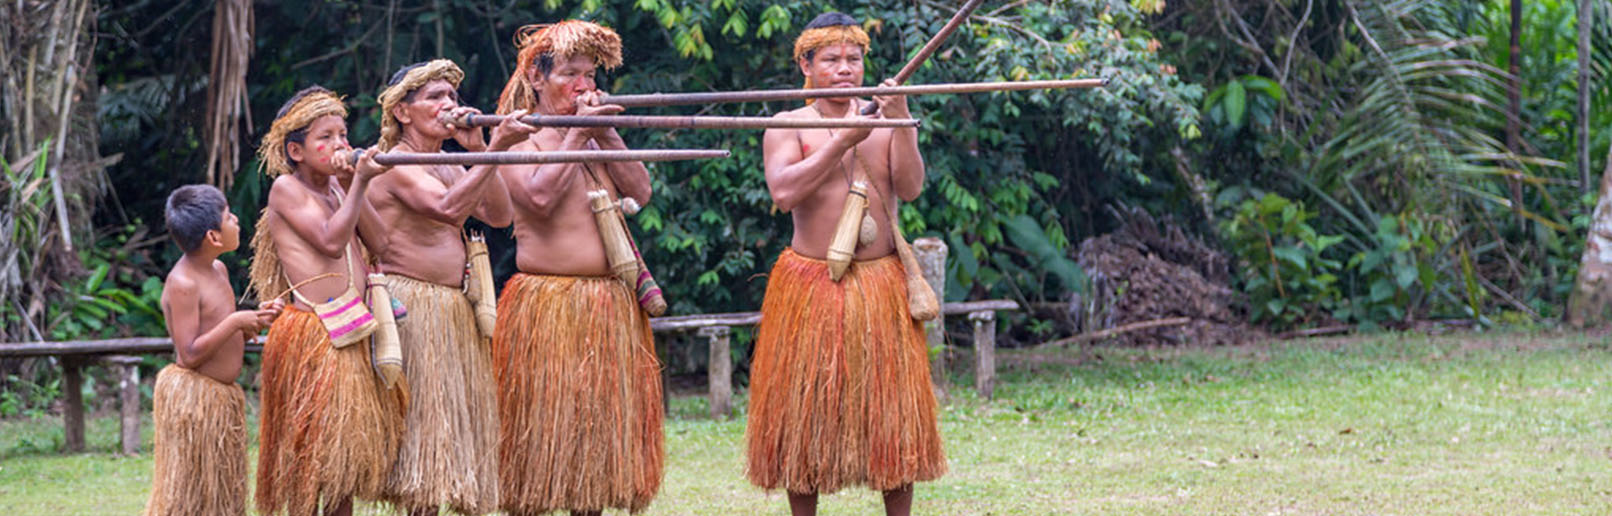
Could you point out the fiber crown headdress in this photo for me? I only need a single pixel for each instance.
(830, 29)
(302, 109)
(559, 40)
(408, 79)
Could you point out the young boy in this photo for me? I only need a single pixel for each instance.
(329, 428)
(200, 412)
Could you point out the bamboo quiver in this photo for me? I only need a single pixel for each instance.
(388, 350)
(618, 250)
(842, 248)
(479, 284)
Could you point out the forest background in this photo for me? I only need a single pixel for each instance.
(1318, 164)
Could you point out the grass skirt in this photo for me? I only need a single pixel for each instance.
(328, 430)
(200, 454)
(449, 454)
(579, 396)
(839, 385)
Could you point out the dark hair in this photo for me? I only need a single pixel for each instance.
(545, 63)
(301, 134)
(192, 211)
(398, 76)
(828, 19)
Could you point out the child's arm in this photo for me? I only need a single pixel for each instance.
(194, 345)
(327, 233)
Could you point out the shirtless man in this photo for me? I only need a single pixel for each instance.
(329, 427)
(199, 460)
(579, 384)
(868, 416)
(449, 455)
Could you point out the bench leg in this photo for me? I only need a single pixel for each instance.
(73, 404)
(129, 402)
(720, 371)
(985, 352)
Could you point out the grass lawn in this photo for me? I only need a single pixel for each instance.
(1393, 424)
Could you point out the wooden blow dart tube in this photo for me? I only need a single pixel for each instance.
(520, 158)
(719, 97)
(681, 122)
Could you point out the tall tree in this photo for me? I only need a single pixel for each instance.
(1514, 105)
(48, 140)
(1585, 15)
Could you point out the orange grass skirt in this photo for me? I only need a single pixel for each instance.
(328, 430)
(199, 461)
(579, 397)
(839, 384)
(449, 454)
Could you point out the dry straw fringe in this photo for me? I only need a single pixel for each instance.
(265, 274)
(328, 430)
(449, 454)
(559, 40)
(579, 397)
(839, 391)
(199, 461)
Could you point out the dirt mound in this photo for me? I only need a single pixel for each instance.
(1148, 271)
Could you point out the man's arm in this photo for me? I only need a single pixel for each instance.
(448, 205)
(495, 208)
(906, 163)
(631, 177)
(328, 234)
(545, 184)
(791, 179)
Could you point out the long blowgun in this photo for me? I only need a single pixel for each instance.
(681, 122)
(720, 97)
(518, 158)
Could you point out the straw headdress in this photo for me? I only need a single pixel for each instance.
(301, 110)
(407, 80)
(563, 40)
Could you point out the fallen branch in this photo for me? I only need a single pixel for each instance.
(1127, 328)
(1312, 332)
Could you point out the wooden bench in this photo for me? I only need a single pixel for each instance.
(123, 355)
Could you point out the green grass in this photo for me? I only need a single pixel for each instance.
(1472, 424)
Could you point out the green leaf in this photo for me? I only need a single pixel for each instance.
(1291, 255)
(1236, 102)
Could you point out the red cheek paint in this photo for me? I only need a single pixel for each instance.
(805, 148)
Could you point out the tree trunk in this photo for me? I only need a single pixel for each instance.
(1585, 15)
(47, 94)
(1514, 107)
(1593, 287)
(226, 89)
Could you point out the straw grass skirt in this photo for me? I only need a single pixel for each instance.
(839, 384)
(449, 454)
(328, 430)
(199, 461)
(579, 396)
